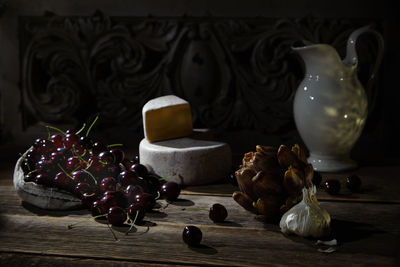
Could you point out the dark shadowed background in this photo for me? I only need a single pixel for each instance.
(63, 62)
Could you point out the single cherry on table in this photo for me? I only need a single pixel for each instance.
(192, 235)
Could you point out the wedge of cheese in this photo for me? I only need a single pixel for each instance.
(187, 161)
(166, 117)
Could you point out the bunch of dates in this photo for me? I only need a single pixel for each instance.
(100, 175)
(271, 180)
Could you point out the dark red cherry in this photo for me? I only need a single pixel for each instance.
(170, 191)
(126, 178)
(46, 166)
(106, 157)
(119, 197)
(62, 181)
(146, 200)
(37, 144)
(153, 184)
(71, 139)
(32, 155)
(332, 186)
(57, 157)
(116, 216)
(94, 165)
(81, 176)
(136, 159)
(30, 177)
(218, 213)
(118, 153)
(88, 198)
(110, 170)
(353, 183)
(127, 163)
(81, 188)
(108, 184)
(131, 191)
(139, 169)
(136, 213)
(43, 179)
(57, 140)
(79, 150)
(109, 200)
(73, 163)
(98, 147)
(65, 151)
(86, 142)
(98, 208)
(192, 235)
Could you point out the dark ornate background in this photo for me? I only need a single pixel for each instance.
(238, 74)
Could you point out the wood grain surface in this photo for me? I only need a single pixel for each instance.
(367, 234)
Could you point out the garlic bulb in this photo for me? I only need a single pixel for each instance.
(306, 218)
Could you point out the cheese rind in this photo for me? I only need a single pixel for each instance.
(166, 117)
(187, 161)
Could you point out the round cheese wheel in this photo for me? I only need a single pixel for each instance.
(187, 161)
(40, 196)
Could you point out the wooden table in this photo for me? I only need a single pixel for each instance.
(366, 226)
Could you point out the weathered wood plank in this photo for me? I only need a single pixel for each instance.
(162, 244)
(360, 228)
(29, 259)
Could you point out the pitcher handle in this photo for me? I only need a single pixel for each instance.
(351, 54)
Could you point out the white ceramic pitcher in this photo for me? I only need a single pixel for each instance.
(330, 105)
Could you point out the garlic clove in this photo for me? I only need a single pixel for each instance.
(307, 218)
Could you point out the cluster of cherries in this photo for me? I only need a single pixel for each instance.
(108, 184)
(106, 181)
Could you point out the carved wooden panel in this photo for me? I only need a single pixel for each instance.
(236, 73)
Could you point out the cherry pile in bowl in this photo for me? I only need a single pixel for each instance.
(108, 183)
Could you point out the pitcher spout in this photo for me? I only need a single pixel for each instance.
(318, 57)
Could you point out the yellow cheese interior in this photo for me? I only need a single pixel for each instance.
(168, 123)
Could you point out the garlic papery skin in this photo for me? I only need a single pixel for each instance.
(307, 218)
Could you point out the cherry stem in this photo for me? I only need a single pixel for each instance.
(77, 154)
(87, 219)
(133, 223)
(166, 178)
(81, 129)
(90, 165)
(158, 195)
(103, 162)
(91, 125)
(91, 175)
(29, 166)
(64, 171)
(115, 237)
(29, 173)
(196, 209)
(114, 145)
(56, 129)
(48, 133)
